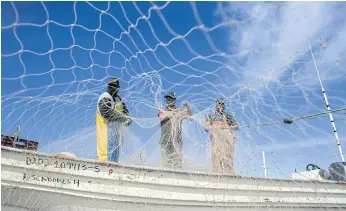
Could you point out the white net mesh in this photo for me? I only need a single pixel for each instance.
(57, 58)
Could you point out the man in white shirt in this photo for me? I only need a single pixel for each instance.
(171, 131)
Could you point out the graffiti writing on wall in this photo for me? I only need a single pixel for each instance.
(50, 179)
(61, 164)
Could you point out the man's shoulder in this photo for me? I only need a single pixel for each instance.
(178, 109)
(105, 95)
(163, 109)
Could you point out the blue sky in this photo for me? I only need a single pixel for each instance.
(256, 55)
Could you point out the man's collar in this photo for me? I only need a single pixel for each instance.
(171, 108)
(113, 95)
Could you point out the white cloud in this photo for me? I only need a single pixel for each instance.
(279, 34)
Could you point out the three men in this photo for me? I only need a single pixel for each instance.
(112, 117)
(171, 131)
(220, 125)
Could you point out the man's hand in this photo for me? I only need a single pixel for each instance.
(128, 121)
(188, 115)
(235, 126)
(186, 104)
(164, 115)
(207, 126)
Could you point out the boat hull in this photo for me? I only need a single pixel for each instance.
(35, 181)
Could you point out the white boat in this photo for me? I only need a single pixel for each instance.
(37, 181)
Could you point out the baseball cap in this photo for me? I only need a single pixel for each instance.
(113, 81)
(171, 94)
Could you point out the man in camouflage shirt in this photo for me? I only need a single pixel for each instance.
(220, 125)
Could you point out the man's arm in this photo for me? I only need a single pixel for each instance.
(105, 108)
(232, 122)
(125, 115)
(161, 114)
(207, 123)
(235, 126)
(164, 115)
(125, 110)
(188, 111)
